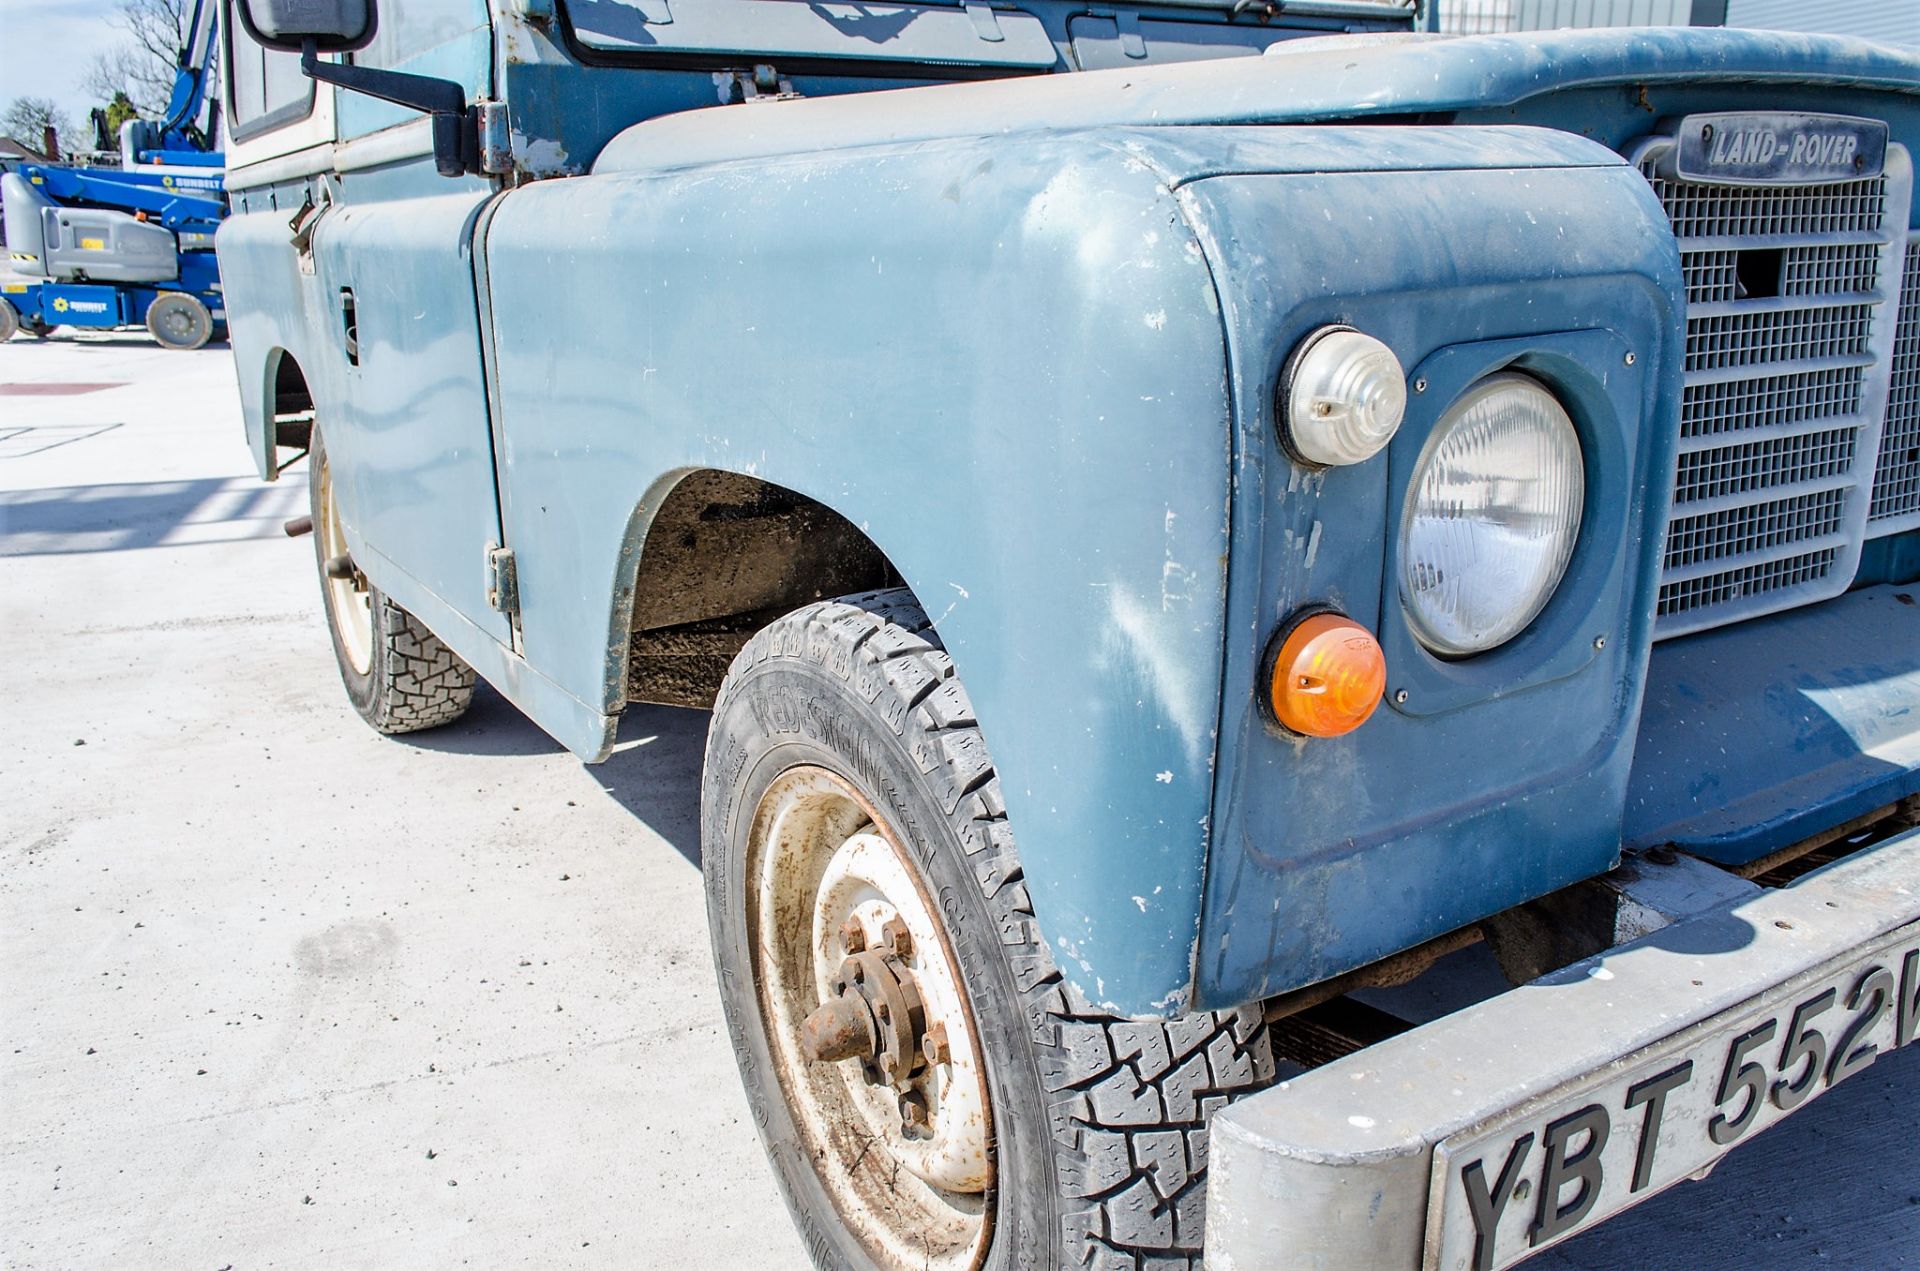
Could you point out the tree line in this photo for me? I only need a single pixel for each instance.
(133, 79)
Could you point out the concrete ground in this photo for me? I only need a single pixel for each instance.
(278, 992)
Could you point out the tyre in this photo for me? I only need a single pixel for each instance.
(929, 1090)
(398, 674)
(179, 321)
(9, 321)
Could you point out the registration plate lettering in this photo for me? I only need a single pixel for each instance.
(1537, 1176)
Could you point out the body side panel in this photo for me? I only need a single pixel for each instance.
(408, 429)
(1004, 362)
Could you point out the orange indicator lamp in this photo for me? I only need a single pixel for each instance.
(1326, 674)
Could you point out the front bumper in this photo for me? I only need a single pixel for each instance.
(1357, 1163)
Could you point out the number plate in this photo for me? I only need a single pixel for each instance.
(1507, 1190)
(1779, 148)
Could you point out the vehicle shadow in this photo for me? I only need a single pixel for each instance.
(126, 517)
(654, 771)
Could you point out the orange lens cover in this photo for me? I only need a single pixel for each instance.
(1328, 676)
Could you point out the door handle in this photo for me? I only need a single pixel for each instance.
(350, 326)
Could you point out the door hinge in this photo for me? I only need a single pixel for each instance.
(761, 84)
(503, 579)
(494, 140)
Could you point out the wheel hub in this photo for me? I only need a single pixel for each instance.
(876, 1016)
(869, 1026)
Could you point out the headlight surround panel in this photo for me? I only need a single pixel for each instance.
(1445, 816)
(1588, 372)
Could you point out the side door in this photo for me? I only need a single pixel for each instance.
(409, 434)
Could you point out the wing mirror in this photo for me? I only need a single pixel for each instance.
(328, 26)
(313, 27)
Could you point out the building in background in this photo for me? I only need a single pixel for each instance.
(1894, 21)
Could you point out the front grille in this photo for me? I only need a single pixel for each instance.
(1774, 211)
(1692, 540)
(1789, 344)
(1744, 583)
(1747, 339)
(1896, 479)
(1731, 405)
(1763, 465)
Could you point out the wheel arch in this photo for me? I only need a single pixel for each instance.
(289, 401)
(708, 558)
(1124, 946)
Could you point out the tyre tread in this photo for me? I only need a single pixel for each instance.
(427, 684)
(1128, 1100)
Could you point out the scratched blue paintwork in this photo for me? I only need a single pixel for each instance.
(1024, 334)
(1105, 424)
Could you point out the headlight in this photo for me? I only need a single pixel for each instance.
(1342, 397)
(1492, 515)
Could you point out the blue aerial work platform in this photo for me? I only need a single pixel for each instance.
(107, 247)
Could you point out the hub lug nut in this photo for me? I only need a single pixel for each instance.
(913, 1113)
(934, 1045)
(899, 941)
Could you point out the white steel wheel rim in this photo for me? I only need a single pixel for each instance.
(818, 856)
(349, 599)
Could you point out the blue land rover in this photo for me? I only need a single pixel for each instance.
(1181, 512)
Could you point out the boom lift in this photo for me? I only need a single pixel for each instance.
(106, 247)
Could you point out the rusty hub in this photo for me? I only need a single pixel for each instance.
(857, 981)
(875, 1015)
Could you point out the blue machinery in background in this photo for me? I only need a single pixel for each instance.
(174, 140)
(106, 247)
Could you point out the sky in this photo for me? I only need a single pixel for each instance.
(46, 47)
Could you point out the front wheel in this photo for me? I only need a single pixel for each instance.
(398, 674)
(929, 1091)
(9, 321)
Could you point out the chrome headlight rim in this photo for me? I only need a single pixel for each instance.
(1533, 601)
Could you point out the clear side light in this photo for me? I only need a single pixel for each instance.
(1343, 396)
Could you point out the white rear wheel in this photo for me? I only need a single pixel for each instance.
(398, 675)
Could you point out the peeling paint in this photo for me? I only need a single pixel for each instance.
(538, 156)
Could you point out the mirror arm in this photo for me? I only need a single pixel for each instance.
(456, 137)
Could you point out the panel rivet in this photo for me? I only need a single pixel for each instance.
(1400, 697)
(1632, 358)
(1599, 643)
(1420, 385)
